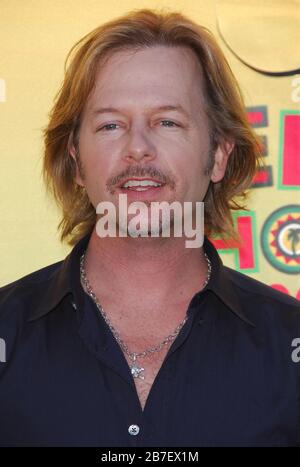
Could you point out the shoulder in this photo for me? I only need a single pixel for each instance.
(263, 305)
(24, 291)
(259, 291)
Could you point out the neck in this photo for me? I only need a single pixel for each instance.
(141, 269)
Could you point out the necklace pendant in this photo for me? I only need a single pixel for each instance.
(136, 370)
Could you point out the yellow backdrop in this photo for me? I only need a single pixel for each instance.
(260, 40)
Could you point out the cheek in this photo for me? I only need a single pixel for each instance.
(194, 180)
(96, 184)
(95, 159)
(190, 165)
(95, 174)
(101, 153)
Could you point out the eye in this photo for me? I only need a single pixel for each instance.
(169, 123)
(108, 127)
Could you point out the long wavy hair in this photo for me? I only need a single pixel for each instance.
(225, 110)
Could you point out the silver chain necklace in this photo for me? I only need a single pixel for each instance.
(135, 369)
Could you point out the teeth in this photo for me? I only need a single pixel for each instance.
(138, 183)
(141, 188)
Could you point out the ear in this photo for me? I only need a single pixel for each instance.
(78, 177)
(221, 158)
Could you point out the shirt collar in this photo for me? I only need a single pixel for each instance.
(220, 283)
(65, 280)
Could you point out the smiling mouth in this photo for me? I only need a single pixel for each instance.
(141, 188)
(141, 185)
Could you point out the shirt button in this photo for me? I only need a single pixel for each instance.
(74, 306)
(133, 430)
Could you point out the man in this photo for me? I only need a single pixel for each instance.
(138, 340)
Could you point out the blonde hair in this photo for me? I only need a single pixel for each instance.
(225, 111)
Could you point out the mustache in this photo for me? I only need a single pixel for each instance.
(138, 171)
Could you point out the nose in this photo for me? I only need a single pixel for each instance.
(139, 145)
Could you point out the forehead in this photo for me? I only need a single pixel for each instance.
(157, 73)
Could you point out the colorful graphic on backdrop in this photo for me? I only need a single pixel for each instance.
(280, 239)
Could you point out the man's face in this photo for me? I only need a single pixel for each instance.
(145, 119)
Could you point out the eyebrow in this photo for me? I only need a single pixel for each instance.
(177, 108)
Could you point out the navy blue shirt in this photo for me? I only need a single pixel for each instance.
(230, 378)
